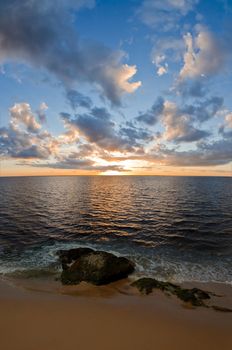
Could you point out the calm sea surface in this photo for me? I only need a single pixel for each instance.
(176, 228)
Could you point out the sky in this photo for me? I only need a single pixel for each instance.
(116, 87)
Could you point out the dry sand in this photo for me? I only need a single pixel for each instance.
(102, 318)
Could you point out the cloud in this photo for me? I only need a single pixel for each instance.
(76, 99)
(166, 50)
(134, 134)
(81, 165)
(20, 144)
(226, 128)
(164, 14)
(204, 55)
(75, 160)
(206, 154)
(228, 120)
(21, 114)
(71, 135)
(43, 35)
(152, 115)
(162, 69)
(179, 126)
(204, 110)
(90, 133)
(41, 112)
(23, 138)
(179, 121)
(92, 139)
(68, 163)
(97, 127)
(122, 75)
(32, 152)
(189, 88)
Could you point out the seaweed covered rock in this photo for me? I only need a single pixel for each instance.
(194, 296)
(97, 267)
(146, 285)
(68, 256)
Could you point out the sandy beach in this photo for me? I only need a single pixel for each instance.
(109, 317)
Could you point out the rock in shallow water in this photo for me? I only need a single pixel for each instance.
(96, 267)
(69, 256)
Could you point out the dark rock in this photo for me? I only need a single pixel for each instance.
(194, 296)
(190, 296)
(97, 267)
(201, 294)
(68, 256)
(220, 308)
(146, 285)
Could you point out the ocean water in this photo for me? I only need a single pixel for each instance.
(174, 228)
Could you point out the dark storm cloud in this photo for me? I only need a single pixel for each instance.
(42, 33)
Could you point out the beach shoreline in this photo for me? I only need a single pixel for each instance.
(107, 317)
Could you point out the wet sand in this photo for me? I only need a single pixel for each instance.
(106, 318)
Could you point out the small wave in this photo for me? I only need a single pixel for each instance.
(166, 269)
(34, 273)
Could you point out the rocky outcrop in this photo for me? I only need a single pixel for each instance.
(193, 296)
(99, 268)
(96, 267)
